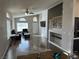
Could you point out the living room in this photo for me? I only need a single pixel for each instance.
(39, 24)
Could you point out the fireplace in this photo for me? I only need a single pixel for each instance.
(55, 38)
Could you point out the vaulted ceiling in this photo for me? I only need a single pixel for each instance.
(19, 6)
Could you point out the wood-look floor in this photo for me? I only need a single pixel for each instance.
(26, 46)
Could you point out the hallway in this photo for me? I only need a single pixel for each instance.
(27, 46)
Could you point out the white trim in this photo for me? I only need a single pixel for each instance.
(76, 38)
(56, 30)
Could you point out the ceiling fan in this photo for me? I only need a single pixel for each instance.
(28, 12)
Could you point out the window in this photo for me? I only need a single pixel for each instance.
(34, 19)
(7, 15)
(22, 19)
(21, 26)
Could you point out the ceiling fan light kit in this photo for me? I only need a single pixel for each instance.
(27, 12)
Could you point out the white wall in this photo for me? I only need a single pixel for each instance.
(67, 25)
(3, 33)
(43, 16)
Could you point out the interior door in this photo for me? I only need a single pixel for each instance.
(35, 27)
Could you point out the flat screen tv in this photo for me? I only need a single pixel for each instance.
(76, 27)
(42, 24)
(76, 45)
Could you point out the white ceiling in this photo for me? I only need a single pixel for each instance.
(19, 6)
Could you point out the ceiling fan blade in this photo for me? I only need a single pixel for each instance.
(31, 13)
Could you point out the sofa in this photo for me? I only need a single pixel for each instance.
(25, 33)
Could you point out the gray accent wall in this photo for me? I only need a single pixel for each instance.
(55, 11)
